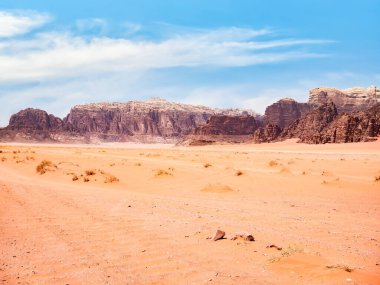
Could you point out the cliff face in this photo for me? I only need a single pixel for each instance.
(268, 133)
(347, 100)
(154, 120)
(228, 125)
(324, 125)
(34, 120)
(223, 129)
(284, 112)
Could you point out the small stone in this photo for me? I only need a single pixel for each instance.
(218, 235)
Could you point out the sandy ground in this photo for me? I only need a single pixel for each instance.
(319, 203)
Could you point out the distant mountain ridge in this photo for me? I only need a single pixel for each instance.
(352, 116)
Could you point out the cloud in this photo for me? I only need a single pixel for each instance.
(57, 55)
(20, 22)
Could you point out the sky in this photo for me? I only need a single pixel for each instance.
(220, 53)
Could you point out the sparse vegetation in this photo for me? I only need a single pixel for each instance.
(138, 164)
(340, 266)
(273, 163)
(85, 179)
(207, 165)
(3, 159)
(377, 178)
(110, 179)
(75, 178)
(90, 172)
(239, 173)
(45, 166)
(161, 172)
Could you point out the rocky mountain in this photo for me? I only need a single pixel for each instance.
(346, 100)
(223, 129)
(285, 111)
(325, 125)
(154, 120)
(309, 127)
(268, 133)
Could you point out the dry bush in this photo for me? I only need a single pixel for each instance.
(207, 165)
(112, 164)
(273, 163)
(44, 166)
(239, 173)
(16, 151)
(138, 164)
(30, 158)
(340, 266)
(85, 179)
(3, 159)
(1, 151)
(90, 172)
(377, 178)
(75, 178)
(161, 172)
(110, 179)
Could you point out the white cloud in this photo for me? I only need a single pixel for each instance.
(53, 55)
(20, 22)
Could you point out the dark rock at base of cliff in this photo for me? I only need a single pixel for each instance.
(228, 125)
(268, 133)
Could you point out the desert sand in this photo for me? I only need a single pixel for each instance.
(146, 214)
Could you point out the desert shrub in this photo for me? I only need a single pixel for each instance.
(44, 166)
(273, 163)
(90, 172)
(75, 178)
(85, 179)
(377, 178)
(207, 165)
(3, 159)
(340, 266)
(239, 173)
(110, 179)
(161, 172)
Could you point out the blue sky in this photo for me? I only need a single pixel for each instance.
(245, 54)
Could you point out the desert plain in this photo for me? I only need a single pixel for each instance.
(146, 214)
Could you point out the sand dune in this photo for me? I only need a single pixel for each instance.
(145, 214)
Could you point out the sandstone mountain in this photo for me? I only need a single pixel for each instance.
(346, 100)
(154, 120)
(223, 129)
(285, 111)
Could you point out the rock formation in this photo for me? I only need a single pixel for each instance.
(309, 127)
(154, 120)
(347, 100)
(228, 125)
(269, 133)
(284, 112)
(31, 120)
(324, 125)
(223, 129)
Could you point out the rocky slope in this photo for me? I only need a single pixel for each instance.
(324, 125)
(285, 111)
(346, 100)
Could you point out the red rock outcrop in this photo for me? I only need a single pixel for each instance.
(34, 120)
(284, 112)
(309, 127)
(228, 125)
(269, 133)
(324, 125)
(223, 129)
